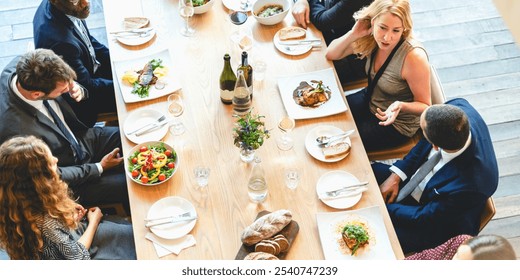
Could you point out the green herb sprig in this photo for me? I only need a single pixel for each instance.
(250, 132)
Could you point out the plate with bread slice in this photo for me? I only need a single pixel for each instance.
(293, 40)
(334, 180)
(332, 152)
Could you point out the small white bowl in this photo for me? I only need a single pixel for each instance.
(204, 8)
(272, 20)
(152, 144)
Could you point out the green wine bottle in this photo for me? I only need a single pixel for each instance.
(248, 72)
(227, 81)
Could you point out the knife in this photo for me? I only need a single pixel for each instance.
(343, 194)
(170, 221)
(138, 30)
(313, 42)
(360, 184)
(151, 128)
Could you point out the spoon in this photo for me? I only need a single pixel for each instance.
(322, 140)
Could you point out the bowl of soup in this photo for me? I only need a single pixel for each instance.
(270, 12)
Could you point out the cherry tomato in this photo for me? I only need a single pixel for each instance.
(171, 165)
(144, 179)
(143, 149)
(168, 153)
(134, 160)
(135, 173)
(162, 177)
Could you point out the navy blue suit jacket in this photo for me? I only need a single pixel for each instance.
(454, 198)
(54, 30)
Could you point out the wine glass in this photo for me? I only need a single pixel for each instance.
(286, 124)
(238, 18)
(176, 108)
(186, 11)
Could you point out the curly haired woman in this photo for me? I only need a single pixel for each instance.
(38, 218)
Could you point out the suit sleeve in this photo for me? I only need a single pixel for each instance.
(415, 158)
(72, 55)
(336, 16)
(444, 208)
(79, 174)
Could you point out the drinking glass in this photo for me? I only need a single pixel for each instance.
(241, 37)
(201, 174)
(186, 11)
(176, 108)
(286, 124)
(292, 177)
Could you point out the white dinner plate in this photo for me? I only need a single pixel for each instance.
(333, 180)
(294, 50)
(335, 105)
(315, 150)
(329, 228)
(235, 5)
(140, 118)
(171, 80)
(172, 206)
(136, 40)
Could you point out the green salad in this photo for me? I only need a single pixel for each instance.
(152, 164)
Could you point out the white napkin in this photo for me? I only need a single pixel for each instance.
(165, 247)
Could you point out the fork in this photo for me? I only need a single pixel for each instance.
(183, 215)
(293, 48)
(162, 118)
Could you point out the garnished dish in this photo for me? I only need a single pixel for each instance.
(150, 164)
(311, 96)
(197, 3)
(270, 10)
(354, 236)
(144, 78)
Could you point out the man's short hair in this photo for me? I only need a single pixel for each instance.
(446, 126)
(41, 70)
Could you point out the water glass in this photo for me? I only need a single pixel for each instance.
(201, 174)
(292, 178)
(259, 66)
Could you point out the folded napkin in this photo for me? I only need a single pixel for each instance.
(165, 247)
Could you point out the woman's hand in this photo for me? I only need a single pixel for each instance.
(94, 215)
(388, 117)
(80, 212)
(362, 28)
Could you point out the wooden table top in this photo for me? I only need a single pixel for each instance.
(224, 208)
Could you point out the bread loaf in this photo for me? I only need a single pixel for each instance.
(266, 226)
(260, 256)
(292, 33)
(335, 150)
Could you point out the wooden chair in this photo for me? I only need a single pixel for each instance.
(487, 214)
(438, 97)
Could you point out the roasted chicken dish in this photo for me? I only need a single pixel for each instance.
(308, 96)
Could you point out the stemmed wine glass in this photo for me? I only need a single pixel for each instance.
(186, 11)
(286, 124)
(242, 37)
(176, 108)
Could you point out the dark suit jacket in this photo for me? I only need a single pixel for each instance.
(334, 17)
(454, 198)
(54, 30)
(20, 118)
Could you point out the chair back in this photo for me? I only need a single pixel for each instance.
(487, 214)
(437, 92)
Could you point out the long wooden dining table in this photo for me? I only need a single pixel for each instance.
(224, 208)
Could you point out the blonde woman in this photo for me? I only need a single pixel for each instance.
(38, 218)
(387, 111)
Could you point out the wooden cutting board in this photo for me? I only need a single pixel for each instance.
(289, 231)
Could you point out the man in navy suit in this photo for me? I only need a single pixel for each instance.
(88, 158)
(59, 25)
(450, 199)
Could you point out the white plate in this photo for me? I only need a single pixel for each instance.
(295, 50)
(172, 80)
(335, 105)
(136, 40)
(172, 206)
(379, 247)
(333, 180)
(315, 150)
(235, 5)
(140, 118)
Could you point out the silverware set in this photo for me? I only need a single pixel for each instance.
(149, 127)
(346, 190)
(140, 32)
(184, 217)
